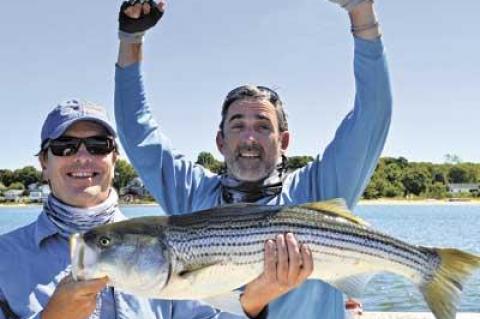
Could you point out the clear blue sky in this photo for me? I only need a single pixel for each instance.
(55, 50)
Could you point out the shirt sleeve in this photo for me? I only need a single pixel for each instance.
(171, 179)
(350, 159)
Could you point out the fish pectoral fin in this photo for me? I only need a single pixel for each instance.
(189, 284)
(353, 286)
(336, 207)
(189, 274)
(217, 279)
(205, 279)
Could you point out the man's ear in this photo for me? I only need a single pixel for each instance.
(43, 159)
(220, 141)
(284, 140)
(115, 158)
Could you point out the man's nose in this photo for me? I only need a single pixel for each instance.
(82, 153)
(249, 135)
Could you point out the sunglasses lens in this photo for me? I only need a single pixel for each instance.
(64, 146)
(99, 145)
(96, 145)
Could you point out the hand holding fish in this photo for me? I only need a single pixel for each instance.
(74, 299)
(286, 265)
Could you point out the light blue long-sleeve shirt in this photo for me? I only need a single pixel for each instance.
(33, 260)
(180, 186)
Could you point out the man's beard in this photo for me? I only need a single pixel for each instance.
(248, 163)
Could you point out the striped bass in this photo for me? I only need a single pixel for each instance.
(215, 251)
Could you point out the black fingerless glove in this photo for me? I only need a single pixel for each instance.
(133, 30)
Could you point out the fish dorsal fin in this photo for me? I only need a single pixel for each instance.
(336, 208)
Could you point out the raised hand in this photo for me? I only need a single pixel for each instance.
(136, 17)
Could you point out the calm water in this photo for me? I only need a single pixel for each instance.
(443, 225)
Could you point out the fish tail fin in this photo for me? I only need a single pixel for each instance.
(442, 291)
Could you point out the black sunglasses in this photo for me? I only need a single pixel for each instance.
(68, 146)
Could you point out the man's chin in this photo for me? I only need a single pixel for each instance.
(87, 197)
(249, 176)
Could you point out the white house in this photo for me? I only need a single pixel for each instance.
(463, 188)
(13, 195)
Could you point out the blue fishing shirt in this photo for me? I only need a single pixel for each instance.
(180, 186)
(33, 260)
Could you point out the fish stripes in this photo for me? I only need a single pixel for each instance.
(220, 233)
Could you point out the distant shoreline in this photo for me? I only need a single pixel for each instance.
(363, 202)
(388, 201)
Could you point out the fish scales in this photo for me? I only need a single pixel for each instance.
(241, 238)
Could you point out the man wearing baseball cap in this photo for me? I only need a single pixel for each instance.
(77, 154)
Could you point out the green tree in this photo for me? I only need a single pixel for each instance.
(295, 162)
(2, 187)
(17, 185)
(124, 173)
(395, 189)
(440, 174)
(377, 183)
(387, 178)
(393, 173)
(416, 180)
(208, 161)
(27, 175)
(6, 176)
(458, 174)
(437, 190)
(401, 162)
(473, 172)
(375, 189)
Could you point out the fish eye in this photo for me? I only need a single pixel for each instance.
(104, 241)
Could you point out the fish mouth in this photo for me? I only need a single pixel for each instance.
(77, 256)
(84, 259)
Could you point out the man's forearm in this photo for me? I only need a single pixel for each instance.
(364, 21)
(129, 53)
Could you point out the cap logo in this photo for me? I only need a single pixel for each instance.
(66, 111)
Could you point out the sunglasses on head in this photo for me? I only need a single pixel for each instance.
(273, 95)
(67, 146)
(245, 91)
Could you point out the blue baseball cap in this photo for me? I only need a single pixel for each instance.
(70, 112)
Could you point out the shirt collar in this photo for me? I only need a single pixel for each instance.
(44, 228)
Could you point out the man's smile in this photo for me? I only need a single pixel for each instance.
(83, 174)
